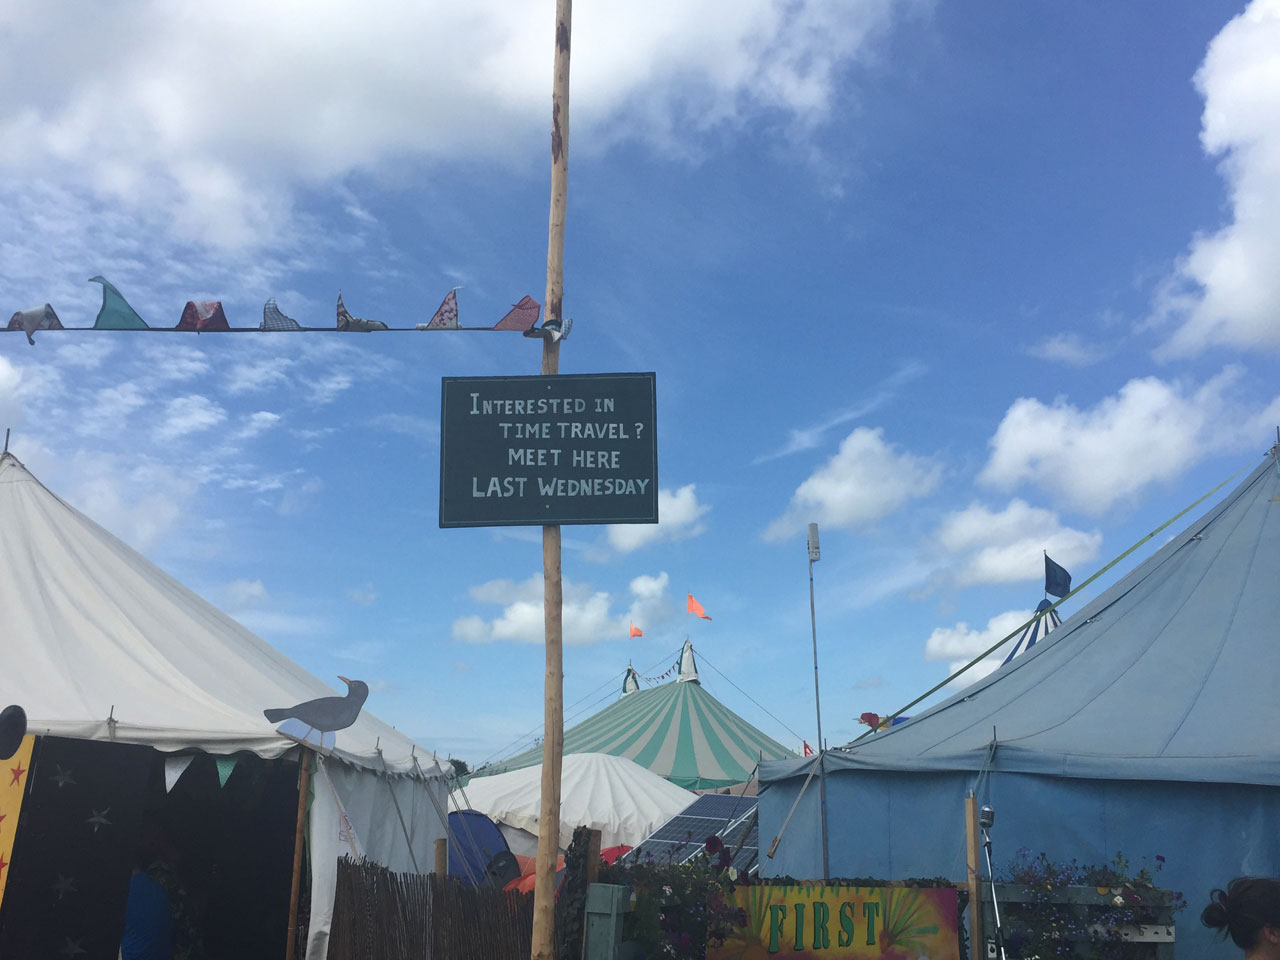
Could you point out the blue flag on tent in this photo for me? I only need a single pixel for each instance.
(1057, 581)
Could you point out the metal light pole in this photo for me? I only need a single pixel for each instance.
(814, 555)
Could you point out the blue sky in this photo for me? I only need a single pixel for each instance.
(959, 282)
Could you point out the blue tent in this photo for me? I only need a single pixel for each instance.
(1146, 723)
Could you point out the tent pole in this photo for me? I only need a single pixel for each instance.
(544, 889)
(295, 888)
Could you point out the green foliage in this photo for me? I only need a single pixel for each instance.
(679, 909)
(1056, 924)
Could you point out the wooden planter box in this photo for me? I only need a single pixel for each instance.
(1152, 939)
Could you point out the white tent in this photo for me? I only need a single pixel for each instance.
(614, 795)
(100, 644)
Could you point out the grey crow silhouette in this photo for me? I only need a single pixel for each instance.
(326, 714)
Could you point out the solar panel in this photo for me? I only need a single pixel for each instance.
(683, 836)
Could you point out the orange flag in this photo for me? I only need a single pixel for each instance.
(696, 608)
(636, 631)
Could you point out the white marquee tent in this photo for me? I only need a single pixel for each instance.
(614, 795)
(102, 645)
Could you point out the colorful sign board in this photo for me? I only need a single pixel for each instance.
(843, 923)
(578, 448)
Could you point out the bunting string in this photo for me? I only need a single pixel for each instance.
(208, 316)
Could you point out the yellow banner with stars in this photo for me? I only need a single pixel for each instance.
(13, 787)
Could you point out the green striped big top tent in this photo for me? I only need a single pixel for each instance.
(677, 730)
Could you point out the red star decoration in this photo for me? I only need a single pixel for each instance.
(2, 862)
(2, 816)
(17, 773)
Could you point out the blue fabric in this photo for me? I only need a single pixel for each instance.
(1145, 724)
(475, 840)
(1057, 581)
(1168, 675)
(148, 924)
(897, 825)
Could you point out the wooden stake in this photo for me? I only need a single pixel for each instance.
(442, 856)
(304, 784)
(544, 894)
(593, 856)
(972, 853)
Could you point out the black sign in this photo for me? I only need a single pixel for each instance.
(579, 448)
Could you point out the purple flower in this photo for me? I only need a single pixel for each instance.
(714, 844)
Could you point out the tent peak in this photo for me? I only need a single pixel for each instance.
(688, 666)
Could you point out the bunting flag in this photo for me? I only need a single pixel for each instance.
(446, 315)
(695, 608)
(273, 319)
(348, 323)
(208, 316)
(13, 787)
(37, 318)
(225, 766)
(808, 750)
(175, 766)
(115, 312)
(202, 315)
(635, 631)
(522, 316)
(1056, 579)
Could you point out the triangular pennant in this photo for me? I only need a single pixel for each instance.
(273, 319)
(37, 318)
(202, 315)
(522, 316)
(225, 766)
(115, 312)
(348, 323)
(174, 767)
(446, 316)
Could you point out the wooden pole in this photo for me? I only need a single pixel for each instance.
(974, 877)
(544, 894)
(295, 888)
(442, 856)
(593, 856)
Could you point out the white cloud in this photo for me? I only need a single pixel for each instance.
(1005, 547)
(960, 644)
(1226, 289)
(298, 497)
(1068, 348)
(1149, 432)
(189, 414)
(866, 480)
(680, 517)
(222, 148)
(364, 596)
(261, 373)
(246, 593)
(256, 423)
(587, 616)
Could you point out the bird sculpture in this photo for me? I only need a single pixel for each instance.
(326, 714)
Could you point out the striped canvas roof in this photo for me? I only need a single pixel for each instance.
(677, 730)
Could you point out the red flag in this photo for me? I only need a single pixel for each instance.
(872, 720)
(636, 631)
(808, 750)
(696, 608)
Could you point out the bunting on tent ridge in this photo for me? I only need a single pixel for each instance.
(37, 318)
(115, 312)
